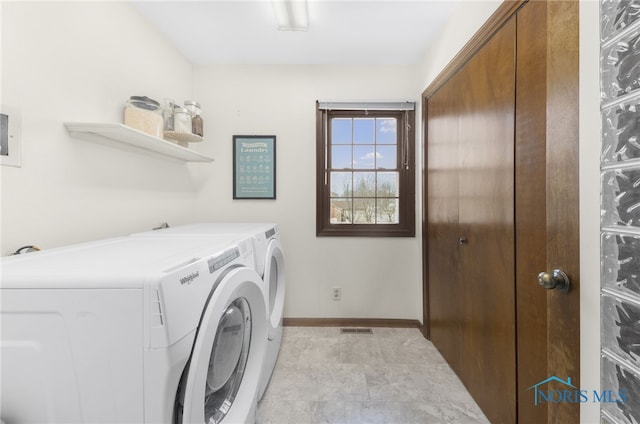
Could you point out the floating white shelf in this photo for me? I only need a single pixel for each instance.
(123, 134)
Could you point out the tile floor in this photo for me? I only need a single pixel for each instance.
(392, 376)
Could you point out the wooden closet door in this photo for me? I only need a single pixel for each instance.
(470, 224)
(442, 200)
(486, 221)
(481, 119)
(531, 219)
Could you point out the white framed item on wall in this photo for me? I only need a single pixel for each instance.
(10, 137)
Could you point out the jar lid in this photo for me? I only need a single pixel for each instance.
(192, 103)
(144, 102)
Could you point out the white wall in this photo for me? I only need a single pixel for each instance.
(467, 18)
(69, 190)
(75, 61)
(380, 277)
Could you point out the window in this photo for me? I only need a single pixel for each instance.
(365, 169)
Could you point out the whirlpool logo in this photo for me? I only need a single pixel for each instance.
(189, 278)
(568, 393)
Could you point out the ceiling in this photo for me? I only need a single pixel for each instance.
(340, 31)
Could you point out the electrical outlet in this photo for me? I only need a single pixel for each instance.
(336, 293)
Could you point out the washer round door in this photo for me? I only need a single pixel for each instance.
(221, 382)
(274, 280)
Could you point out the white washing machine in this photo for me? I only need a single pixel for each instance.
(269, 263)
(132, 330)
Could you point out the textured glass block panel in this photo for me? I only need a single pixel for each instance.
(628, 197)
(620, 328)
(621, 132)
(620, 263)
(364, 211)
(620, 67)
(620, 197)
(341, 184)
(387, 211)
(608, 202)
(386, 157)
(616, 15)
(341, 211)
(386, 129)
(363, 130)
(620, 380)
(341, 157)
(341, 131)
(388, 184)
(609, 265)
(364, 157)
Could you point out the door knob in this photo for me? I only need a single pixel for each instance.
(462, 240)
(558, 280)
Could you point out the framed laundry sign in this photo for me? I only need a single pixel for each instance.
(254, 166)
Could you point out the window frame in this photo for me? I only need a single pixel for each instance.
(406, 178)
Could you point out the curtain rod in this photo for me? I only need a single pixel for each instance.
(366, 105)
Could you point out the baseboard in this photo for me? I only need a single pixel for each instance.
(351, 322)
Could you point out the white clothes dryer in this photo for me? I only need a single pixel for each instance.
(132, 330)
(269, 264)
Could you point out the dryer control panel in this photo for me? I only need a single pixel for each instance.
(223, 259)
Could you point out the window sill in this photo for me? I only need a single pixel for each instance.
(364, 230)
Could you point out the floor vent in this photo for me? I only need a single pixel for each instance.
(356, 331)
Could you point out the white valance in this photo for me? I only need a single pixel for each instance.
(328, 105)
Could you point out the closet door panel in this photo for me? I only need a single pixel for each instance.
(442, 218)
(531, 219)
(486, 221)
